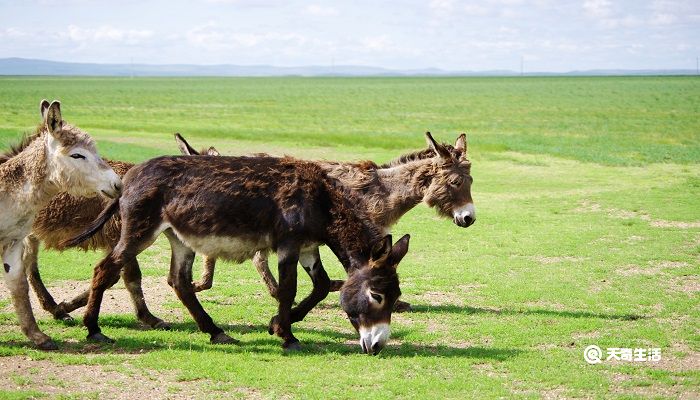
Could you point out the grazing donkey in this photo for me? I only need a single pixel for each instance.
(439, 176)
(232, 207)
(57, 157)
(66, 216)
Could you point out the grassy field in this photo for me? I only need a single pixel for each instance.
(588, 233)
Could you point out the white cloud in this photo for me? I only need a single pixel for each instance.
(248, 3)
(12, 33)
(598, 8)
(377, 43)
(663, 19)
(212, 37)
(321, 11)
(107, 33)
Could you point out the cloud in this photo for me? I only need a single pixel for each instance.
(598, 8)
(248, 3)
(12, 33)
(213, 37)
(106, 33)
(321, 11)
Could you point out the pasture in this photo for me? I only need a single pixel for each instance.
(588, 232)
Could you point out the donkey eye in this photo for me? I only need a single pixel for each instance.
(77, 156)
(377, 297)
(456, 182)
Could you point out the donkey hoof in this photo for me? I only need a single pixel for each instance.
(63, 316)
(402, 306)
(291, 346)
(99, 337)
(47, 345)
(222, 338)
(161, 325)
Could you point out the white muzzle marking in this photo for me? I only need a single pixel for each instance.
(464, 213)
(374, 338)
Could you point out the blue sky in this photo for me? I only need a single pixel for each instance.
(449, 34)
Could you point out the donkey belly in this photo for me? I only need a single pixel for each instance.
(234, 248)
(15, 222)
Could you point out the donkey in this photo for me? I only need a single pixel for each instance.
(57, 157)
(66, 216)
(232, 207)
(439, 176)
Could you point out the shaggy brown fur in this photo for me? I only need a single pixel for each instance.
(56, 157)
(387, 193)
(232, 207)
(15, 149)
(65, 217)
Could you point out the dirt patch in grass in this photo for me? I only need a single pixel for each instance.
(96, 381)
(686, 284)
(556, 260)
(585, 335)
(653, 268)
(520, 388)
(622, 384)
(588, 206)
(670, 362)
(489, 370)
(116, 300)
(546, 305)
(441, 298)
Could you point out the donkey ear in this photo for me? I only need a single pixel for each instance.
(381, 249)
(461, 145)
(185, 147)
(399, 250)
(43, 107)
(436, 147)
(53, 120)
(213, 152)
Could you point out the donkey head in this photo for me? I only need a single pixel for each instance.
(369, 294)
(450, 189)
(73, 162)
(187, 150)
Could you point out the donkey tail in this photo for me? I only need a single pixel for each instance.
(95, 225)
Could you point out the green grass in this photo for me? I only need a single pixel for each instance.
(582, 185)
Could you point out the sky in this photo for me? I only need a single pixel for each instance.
(543, 35)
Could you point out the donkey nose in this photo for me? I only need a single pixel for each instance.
(465, 221)
(376, 348)
(117, 187)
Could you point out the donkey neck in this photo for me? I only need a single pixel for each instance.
(28, 176)
(400, 188)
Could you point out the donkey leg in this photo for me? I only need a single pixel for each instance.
(311, 262)
(207, 275)
(131, 273)
(263, 267)
(106, 274)
(281, 324)
(16, 281)
(31, 267)
(181, 276)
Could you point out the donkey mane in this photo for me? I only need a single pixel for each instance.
(15, 149)
(417, 155)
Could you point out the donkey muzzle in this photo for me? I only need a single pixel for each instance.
(465, 216)
(374, 338)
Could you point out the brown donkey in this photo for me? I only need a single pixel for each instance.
(57, 157)
(439, 176)
(233, 207)
(64, 217)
